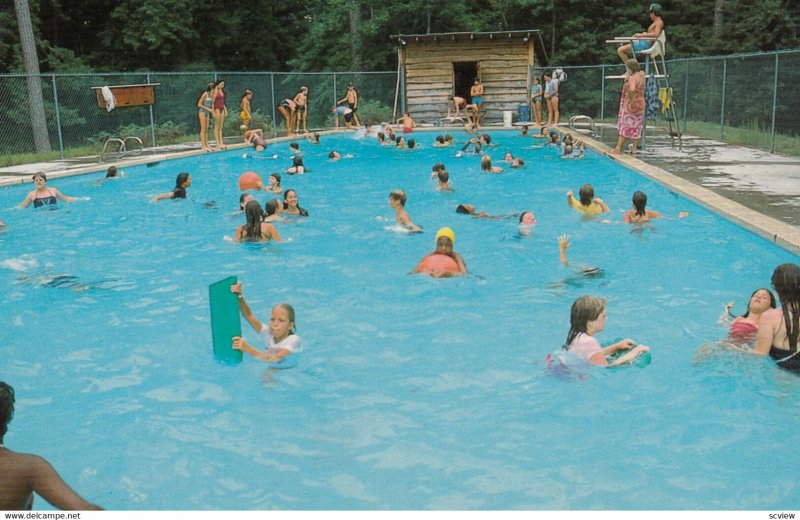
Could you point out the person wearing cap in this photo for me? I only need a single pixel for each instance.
(626, 51)
(443, 262)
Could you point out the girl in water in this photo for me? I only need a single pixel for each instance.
(744, 328)
(588, 204)
(42, 195)
(205, 111)
(778, 329)
(587, 318)
(274, 183)
(280, 338)
(255, 230)
(182, 182)
(273, 208)
(290, 206)
(455, 266)
(486, 165)
(639, 214)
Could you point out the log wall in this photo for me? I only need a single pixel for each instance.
(503, 68)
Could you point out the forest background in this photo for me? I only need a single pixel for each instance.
(353, 35)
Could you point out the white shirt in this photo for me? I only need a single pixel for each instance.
(290, 342)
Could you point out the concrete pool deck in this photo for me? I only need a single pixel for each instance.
(753, 188)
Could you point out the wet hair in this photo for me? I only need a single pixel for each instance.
(568, 149)
(277, 177)
(218, 83)
(294, 146)
(399, 139)
(246, 92)
(290, 311)
(241, 200)
(522, 215)
(112, 171)
(487, 138)
(486, 163)
(381, 136)
(786, 281)
(411, 143)
(180, 179)
(519, 162)
(208, 90)
(271, 206)
(332, 154)
(39, 174)
(443, 175)
(584, 309)
(772, 302)
(462, 208)
(6, 407)
(440, 139)
(525, 130)
(586, 194)
(400, 196)
(437, 167)
(448, 137)
(640, 202)
(303, 212)
(297, 161)
(315, 138)
(254, 215)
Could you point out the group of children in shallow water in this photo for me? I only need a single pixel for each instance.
(588, 313)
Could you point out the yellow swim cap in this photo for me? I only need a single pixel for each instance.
(446, 232)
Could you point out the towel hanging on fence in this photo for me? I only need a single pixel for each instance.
(665, 96)
(651, 96)
(111, 101)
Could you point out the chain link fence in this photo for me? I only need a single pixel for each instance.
(77, 126)
(743, 99)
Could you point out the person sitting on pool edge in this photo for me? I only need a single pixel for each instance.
(25, 474)
(589, 205)
(182, 182)
(397, 201)
(443, 262)
(280, 339)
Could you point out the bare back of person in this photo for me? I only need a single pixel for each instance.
(23, 474)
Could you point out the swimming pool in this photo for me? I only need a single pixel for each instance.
(411, 393)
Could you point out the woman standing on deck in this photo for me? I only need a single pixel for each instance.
(631, 107)
(220, 113)
(205, 111)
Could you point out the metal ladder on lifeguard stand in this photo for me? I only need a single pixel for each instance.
(654, 57)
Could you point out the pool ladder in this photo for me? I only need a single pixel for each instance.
(582, 120)
(123, 146)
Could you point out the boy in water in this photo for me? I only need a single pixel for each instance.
(397, 201)
(444, 178)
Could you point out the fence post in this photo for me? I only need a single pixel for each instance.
(602, 91)
(774, 102)
(152, 120)
(685, 94)
(722, 107)
(274, 106)
(334, 89)
(58, 116)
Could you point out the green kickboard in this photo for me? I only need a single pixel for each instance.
(225, 322)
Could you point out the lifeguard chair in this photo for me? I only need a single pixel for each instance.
(121, 96)
(654, 57)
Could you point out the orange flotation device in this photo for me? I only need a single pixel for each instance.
(439, 262)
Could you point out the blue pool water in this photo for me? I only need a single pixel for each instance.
(411, 393)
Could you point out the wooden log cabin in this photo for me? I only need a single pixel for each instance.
(435, 67)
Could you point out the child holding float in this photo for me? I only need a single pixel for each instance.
(443, 262)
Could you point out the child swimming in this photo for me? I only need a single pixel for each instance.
(397, 201)
(443, 262)
(280, 339)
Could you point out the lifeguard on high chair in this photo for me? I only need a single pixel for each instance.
(646, 42)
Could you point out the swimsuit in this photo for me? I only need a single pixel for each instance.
(259, 141)
(477, 100)
(286, 104)
(786, 358)
(179, 193)
(743, 332)
(593, 209)
(640, 45)
(244, 116)
(38, 202)
(207, 102)
(219, 101)
(536, 93)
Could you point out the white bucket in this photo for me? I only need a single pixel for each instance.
(507, 114)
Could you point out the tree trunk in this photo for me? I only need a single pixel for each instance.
(719, 15)
(35, 102)
(355, 35)
(553, 29)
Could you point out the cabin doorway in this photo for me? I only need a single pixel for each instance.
(464, 74)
